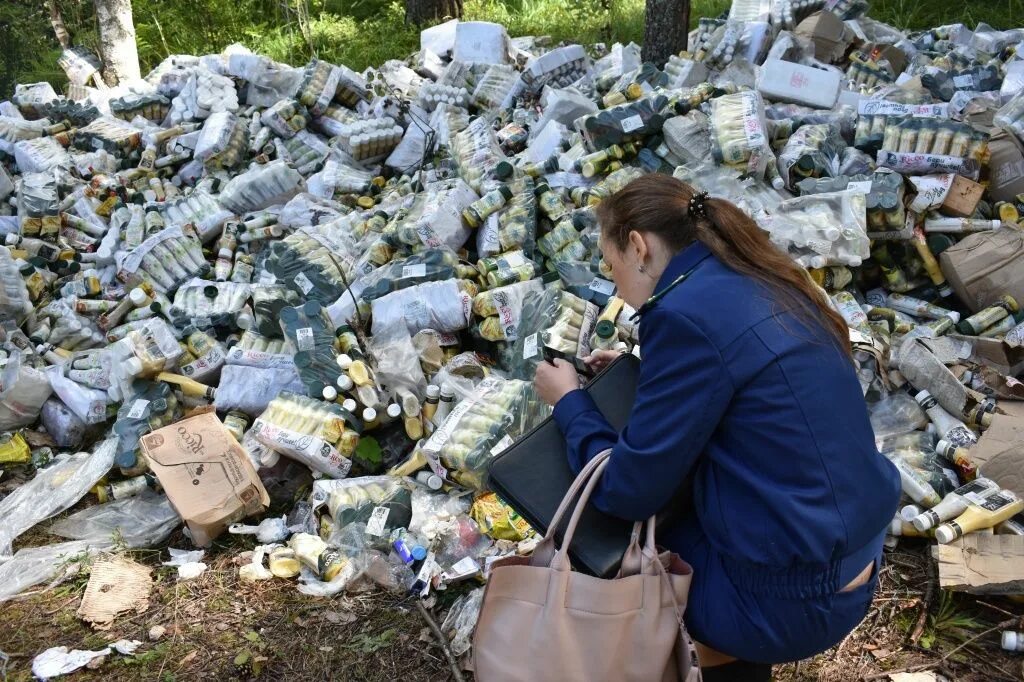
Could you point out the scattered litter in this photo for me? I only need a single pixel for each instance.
(115, 585)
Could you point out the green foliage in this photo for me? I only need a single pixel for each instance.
(360, 33)
(948, 622)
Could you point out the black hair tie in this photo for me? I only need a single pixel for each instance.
(697, 204)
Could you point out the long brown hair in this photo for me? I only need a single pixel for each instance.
(660, 204)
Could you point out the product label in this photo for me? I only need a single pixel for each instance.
(418, 270)
(463, 568)
(863, 186)
(138, 409)
(511, 260)
(303, 283)
(958, 436)
(502, 444)
(304, 338)
(530, 346)
(602, 286)
(587, 330)
(379, 517)
(927, 163)
(931, 191)
(312, 451)
(881, 107)
(632, 123)
(964, 82)
(1001, 499)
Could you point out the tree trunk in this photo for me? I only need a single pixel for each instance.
(57, 21)
(117, 41)
(428, 11)
(666, 25)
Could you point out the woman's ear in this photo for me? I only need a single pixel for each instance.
(638, 245)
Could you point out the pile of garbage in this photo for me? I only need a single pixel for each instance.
(238, 284)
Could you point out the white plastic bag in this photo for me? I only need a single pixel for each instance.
(53, 490)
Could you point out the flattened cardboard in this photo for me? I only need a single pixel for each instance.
(1000, 356)
(962, 198)
(207, 475)
(982, 564)
(1007, 167)
(999, 452)
(985, 265)
(829, 34)
(115, 585)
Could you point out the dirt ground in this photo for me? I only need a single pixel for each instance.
(220, 628)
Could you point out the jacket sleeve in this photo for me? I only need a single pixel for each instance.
(682, 394)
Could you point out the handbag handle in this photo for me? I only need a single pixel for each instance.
(544, 552)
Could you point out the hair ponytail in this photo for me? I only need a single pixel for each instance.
(660, 204)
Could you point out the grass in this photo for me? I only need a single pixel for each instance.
(361, 33)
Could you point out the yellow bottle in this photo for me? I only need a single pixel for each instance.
(994, 510)
(188, 386)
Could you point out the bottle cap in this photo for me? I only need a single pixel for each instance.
(1010, 639)
(433, 391)
(210, 291)
(505, 191)
(896, 527)
(419, 553)
(942, 445)
(12, 239)
(350, 405)
(394, 410)
(133, 366)
(344, 382)
(605, 329)
(330, 393)
(311, 308)
(369, 415)
(945, 534)
(447, 391)
(344, 361)
(138, 297)
(954, 315)
(922, 396)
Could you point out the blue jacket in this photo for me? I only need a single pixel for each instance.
(789, 487)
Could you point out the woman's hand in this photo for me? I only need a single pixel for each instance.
(599, 359)
(554, 381)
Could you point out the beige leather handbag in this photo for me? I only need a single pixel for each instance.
(540, 620)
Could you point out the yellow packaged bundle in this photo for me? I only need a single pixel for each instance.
(498, 520)
(14, 449)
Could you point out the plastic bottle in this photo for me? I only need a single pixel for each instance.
(444, 405)
(981, 320)
(1013, 641)
(995, 509)
(914, 484)
(955, 503)
(119, 490)
(950, 429)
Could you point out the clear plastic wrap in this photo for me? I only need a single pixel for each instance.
(501, 309)
(461, 620)
(35, 565)
(822, 229)
(444, 306)
(895, 414)
(310, 431)
(473, 433)
(739, 138)
(250, 389)
(272, 183)
(354, 500)
(813, 151)
(138, 521)
(556, 322)
(23, 394)
(53, 490)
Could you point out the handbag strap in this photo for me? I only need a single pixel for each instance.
(561, 559)
(544, 552)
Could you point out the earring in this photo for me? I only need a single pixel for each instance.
(641, 270)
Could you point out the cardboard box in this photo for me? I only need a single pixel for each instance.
(991, 564)
(984, 266)
(982, 564)
(896, 57)
(1006, 167)
(1000, 356)
(831, 37)
(781, 81)
(206, 474)
(963, 197)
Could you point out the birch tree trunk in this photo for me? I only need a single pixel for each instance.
(425, 11)
(117, 40)
(665, 27)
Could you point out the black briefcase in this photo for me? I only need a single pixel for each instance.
(532, 476)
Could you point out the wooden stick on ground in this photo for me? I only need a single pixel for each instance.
(441, 640)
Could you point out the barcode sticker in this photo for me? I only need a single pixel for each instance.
(138, 409)
(603, 286)
(418, 270)
(303, 282)
(304, 338)
(859, 186)
(502, 444)
(530, 346)
(632, 123)
(375, 526)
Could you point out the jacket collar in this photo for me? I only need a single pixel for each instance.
(677, 270)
